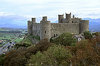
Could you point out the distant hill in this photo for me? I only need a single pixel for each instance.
(13, 22)
(21, 22)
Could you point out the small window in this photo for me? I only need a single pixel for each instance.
(45, 31)
(56, 34)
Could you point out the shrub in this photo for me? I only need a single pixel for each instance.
(56, 55)
(36, 37)
(87, 35)
(15, 58)
(85, 53)
(43, 45)
(20, 56)
(65, 39)
(1, 59)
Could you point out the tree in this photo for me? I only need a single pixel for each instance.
(65, 39)
(1, 59)
(87, 35)
(85, 53)
(20, 56)
(56, 55)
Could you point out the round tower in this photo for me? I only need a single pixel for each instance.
(84, 26)
(45, 29)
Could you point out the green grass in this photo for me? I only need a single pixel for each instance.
(0, 45)
(6, 36)
(10, 36)
(27, 40)
(18, 40)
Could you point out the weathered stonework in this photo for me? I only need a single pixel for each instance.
(45, 29)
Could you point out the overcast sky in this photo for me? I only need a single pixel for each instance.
(51, 8)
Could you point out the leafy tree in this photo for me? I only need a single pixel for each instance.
(36, 37)
(20, 45)
(96, 33)
(15, 58)
(56, 55)
(87, 35)
(20, 56)
(65, 39)
(85, 53)
(43, 45)
(1, 59)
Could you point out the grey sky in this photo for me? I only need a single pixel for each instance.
(38, 8)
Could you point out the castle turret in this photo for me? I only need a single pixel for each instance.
(60, 18)
(45, 28)
(73, 16)
(33, 20)
(29, 27)
(68, 17)
(84, 26)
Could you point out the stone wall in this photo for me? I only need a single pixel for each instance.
(29, 27)
(59, 28)
(36, 29)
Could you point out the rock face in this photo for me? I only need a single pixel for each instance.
(45, 29)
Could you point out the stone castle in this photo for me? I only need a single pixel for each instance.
(46, 29)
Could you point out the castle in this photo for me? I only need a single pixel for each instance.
(69, 24)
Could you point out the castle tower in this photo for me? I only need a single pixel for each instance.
(60, 18)
(73, 16)
(68, 17)
(33, 20)
(84, 26)
(45, 28)
(29, 27)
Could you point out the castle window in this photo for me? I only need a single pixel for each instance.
(54, 35)
(45, 31)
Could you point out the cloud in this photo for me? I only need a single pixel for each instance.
(5, 14)
(38, 8)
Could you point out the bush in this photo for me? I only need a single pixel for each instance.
(20, 56)
(65, 39)
(15, 58)
(87, 35)
(36, 37)
(19, 45)
(85, 53)
(54, 56)
(43, 45)
(1, 59)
